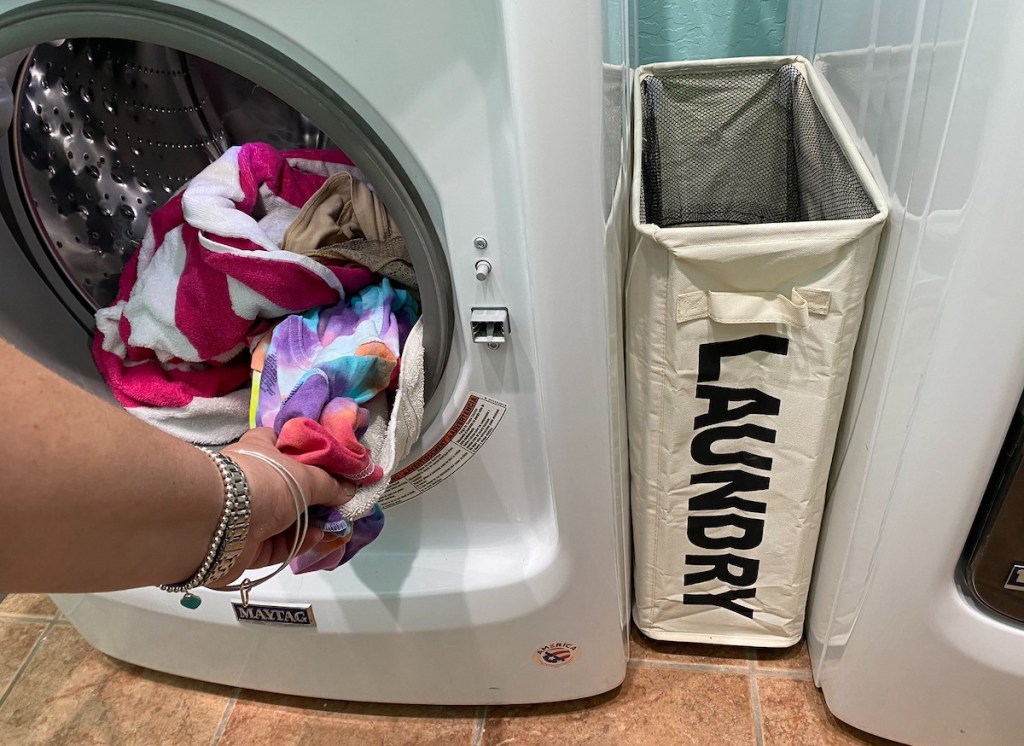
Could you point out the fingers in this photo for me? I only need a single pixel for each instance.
(313, 537)
(277, 548)
(319, 486)
(274, 551)
(322, 488)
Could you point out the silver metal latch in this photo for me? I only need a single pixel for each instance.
(490, 326)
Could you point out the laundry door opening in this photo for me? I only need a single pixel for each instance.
(103, 132)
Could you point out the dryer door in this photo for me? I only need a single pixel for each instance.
(102, 127)
(995, 555)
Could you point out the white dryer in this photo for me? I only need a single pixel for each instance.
(482, 125)
(916, 618)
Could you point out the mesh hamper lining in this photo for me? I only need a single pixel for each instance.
(741, 146)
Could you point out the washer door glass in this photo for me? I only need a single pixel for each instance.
(105, 130)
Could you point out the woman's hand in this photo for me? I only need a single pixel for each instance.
(272, 526)
(94, 499)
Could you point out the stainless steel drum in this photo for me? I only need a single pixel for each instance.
(106, 130)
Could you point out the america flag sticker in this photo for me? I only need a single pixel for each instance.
(556, 654)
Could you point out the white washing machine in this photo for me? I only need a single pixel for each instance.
(916, 618)
(492, 130)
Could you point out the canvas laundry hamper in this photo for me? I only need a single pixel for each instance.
(754, 229)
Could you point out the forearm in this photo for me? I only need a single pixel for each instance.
(91, 498)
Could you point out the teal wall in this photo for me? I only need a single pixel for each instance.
(705, 29)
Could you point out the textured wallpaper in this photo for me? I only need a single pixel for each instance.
(704, 29)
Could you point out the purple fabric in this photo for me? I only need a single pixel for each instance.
(358, 535)
(319, 368)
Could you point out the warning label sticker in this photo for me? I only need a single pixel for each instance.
(475, 424)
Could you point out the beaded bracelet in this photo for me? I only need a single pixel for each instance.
(229, 538)
(223, 553)
(236, 486)
(300, 501)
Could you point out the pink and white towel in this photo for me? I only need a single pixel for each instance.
(209, 274)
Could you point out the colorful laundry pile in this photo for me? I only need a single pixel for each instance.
(317, 372)
(212, 280)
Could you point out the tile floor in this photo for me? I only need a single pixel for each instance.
(55, 689)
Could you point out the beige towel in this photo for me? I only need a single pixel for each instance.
(345, 221)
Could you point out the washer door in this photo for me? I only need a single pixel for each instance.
(103, 127)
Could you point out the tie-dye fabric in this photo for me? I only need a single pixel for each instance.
(318, 369)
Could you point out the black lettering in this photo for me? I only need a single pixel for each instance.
(697, 527)
(273, 615)
(724, 600)
(714, 521)
(719, 411)
(709, 358)
(719, 565)
(734, 480)
(700, 446)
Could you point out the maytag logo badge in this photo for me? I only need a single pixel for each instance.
(284, 615)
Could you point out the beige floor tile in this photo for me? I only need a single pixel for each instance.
(28, 604)
(643, 648)
(653, 707)
(793, 658)
(259, 718)
(16, 640)
(72, 694)
(793, 713)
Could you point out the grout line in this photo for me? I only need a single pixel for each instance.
(4, 616)
(25, 664)
(226, 716)
(478, 731)
(679, 666)
(779, 673)
(25, 620)
(755, 710)
(752, 656)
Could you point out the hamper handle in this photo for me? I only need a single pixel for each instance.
(754, 308)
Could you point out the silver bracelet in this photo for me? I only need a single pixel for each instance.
(236, 488)
(228, 539)
(300, 501)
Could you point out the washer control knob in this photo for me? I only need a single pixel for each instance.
(483, 269)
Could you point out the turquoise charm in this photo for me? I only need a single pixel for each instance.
(191, 602)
